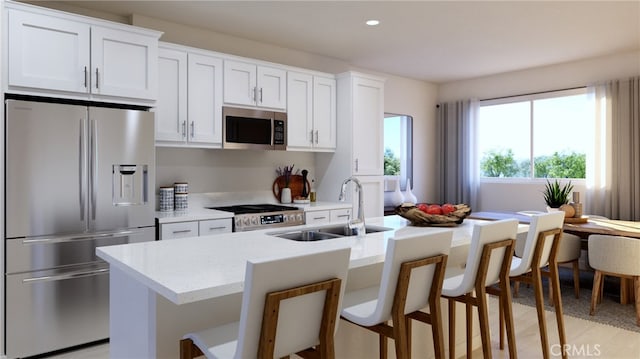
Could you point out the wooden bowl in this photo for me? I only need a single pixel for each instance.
(421, 219)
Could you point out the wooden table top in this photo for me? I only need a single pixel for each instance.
(593, 226)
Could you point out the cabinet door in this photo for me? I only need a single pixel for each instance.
(317, 217)
(46, 52)
(373, 188)
(215, 226)
(272, 87)
(179, 230)
(299, 111)
(205, 100)
(368, 117)
(340, 215)
(123, 64)
(171, 108)
(239, 83)
(324, 113)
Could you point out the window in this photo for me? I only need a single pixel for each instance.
(398, 151)
(537, 136)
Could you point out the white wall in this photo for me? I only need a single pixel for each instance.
(527, 196)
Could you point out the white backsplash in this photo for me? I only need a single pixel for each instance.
(209, 170)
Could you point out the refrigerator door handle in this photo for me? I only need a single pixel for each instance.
(72, 275)
(93, 155)
(62, 239)
(82, 177)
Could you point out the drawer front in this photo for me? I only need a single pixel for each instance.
(179, 230)
(215, 226)
(340, 215)
(315, 217)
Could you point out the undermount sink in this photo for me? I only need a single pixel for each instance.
(307, 236)
(344, 230)
(321, 233)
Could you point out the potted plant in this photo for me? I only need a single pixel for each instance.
(556, 195)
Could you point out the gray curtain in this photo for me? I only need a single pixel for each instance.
(625, 150)
(457, 163)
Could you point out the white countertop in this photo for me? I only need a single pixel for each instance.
(198, 202)
(192, 269)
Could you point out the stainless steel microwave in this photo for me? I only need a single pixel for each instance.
(253, 129)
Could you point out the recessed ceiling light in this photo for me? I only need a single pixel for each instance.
(372, 22)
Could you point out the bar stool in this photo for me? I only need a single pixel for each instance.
(411, 279)
(290, 305)
(540, 250)
(488, 263)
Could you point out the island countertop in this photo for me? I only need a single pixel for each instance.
(199, 268)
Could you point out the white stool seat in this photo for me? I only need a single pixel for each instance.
(359, 304)
(220, 341)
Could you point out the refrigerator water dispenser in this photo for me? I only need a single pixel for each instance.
(130, 185)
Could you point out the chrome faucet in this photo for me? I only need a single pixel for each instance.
(356, 225)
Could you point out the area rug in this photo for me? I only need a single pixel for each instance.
(609, 312)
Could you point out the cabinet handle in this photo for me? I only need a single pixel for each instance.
(192, 129)
(85, 77)
(260, 94)
(255, 94)
(97, 78)
(182, 231)
(216, 228)
(343, 215)
(323, 217)
(356, 165)
(184, 129)
(316, 137)
(311, 132)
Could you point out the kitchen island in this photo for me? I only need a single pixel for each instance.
(161, 290)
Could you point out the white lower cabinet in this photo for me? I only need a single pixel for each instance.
(327, 216)
(177, 230)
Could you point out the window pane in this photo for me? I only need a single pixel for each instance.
(398, 147)
(560, 137)
(504, 140)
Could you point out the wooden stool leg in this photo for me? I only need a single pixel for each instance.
(636, 283)
(516, 289)
(469, 327)
(542, 324)
(576, 278)
(595, 293)
(383, 347)
(436, 329)
(452, 329)
(555, 280)
(501, 321)
(624, 291)
(483, 315)
(188, 350)
(507, 313)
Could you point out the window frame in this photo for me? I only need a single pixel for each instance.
(408, 148)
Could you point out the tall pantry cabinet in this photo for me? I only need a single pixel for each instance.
(360, 145)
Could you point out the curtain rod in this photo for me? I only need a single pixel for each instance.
(533, 93)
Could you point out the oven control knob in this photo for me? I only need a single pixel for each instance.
(285, 218)
(238, 222)
(254, 220)
(246, 221)
(299, 217)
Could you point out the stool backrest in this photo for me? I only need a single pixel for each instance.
(539, 223)
(404, 249)
(300, 318)
(486, 233)
(615, 254)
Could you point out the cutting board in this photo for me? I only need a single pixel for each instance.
(295, 184)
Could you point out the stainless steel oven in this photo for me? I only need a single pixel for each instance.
(248, 217)
(253, 129)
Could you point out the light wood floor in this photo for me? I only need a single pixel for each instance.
(586, 339)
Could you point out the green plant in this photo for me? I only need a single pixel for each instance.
(556, 195)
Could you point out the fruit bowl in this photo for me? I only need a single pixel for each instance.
(420, 218)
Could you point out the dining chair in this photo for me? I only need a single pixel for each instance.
(411, 280)
(488, 263)
(289, 305)
(614, 256)
(540, 250)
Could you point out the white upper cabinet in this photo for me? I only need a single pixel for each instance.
(248, 84)
(368, 131)
(311, 112)
(189, 108)
(78, 57)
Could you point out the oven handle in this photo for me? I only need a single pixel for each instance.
(73, 275)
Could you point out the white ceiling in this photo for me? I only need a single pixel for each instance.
(436, 41)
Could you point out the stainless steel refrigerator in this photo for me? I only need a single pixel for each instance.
(77, 177)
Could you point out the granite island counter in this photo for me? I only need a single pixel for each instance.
(161, 290)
